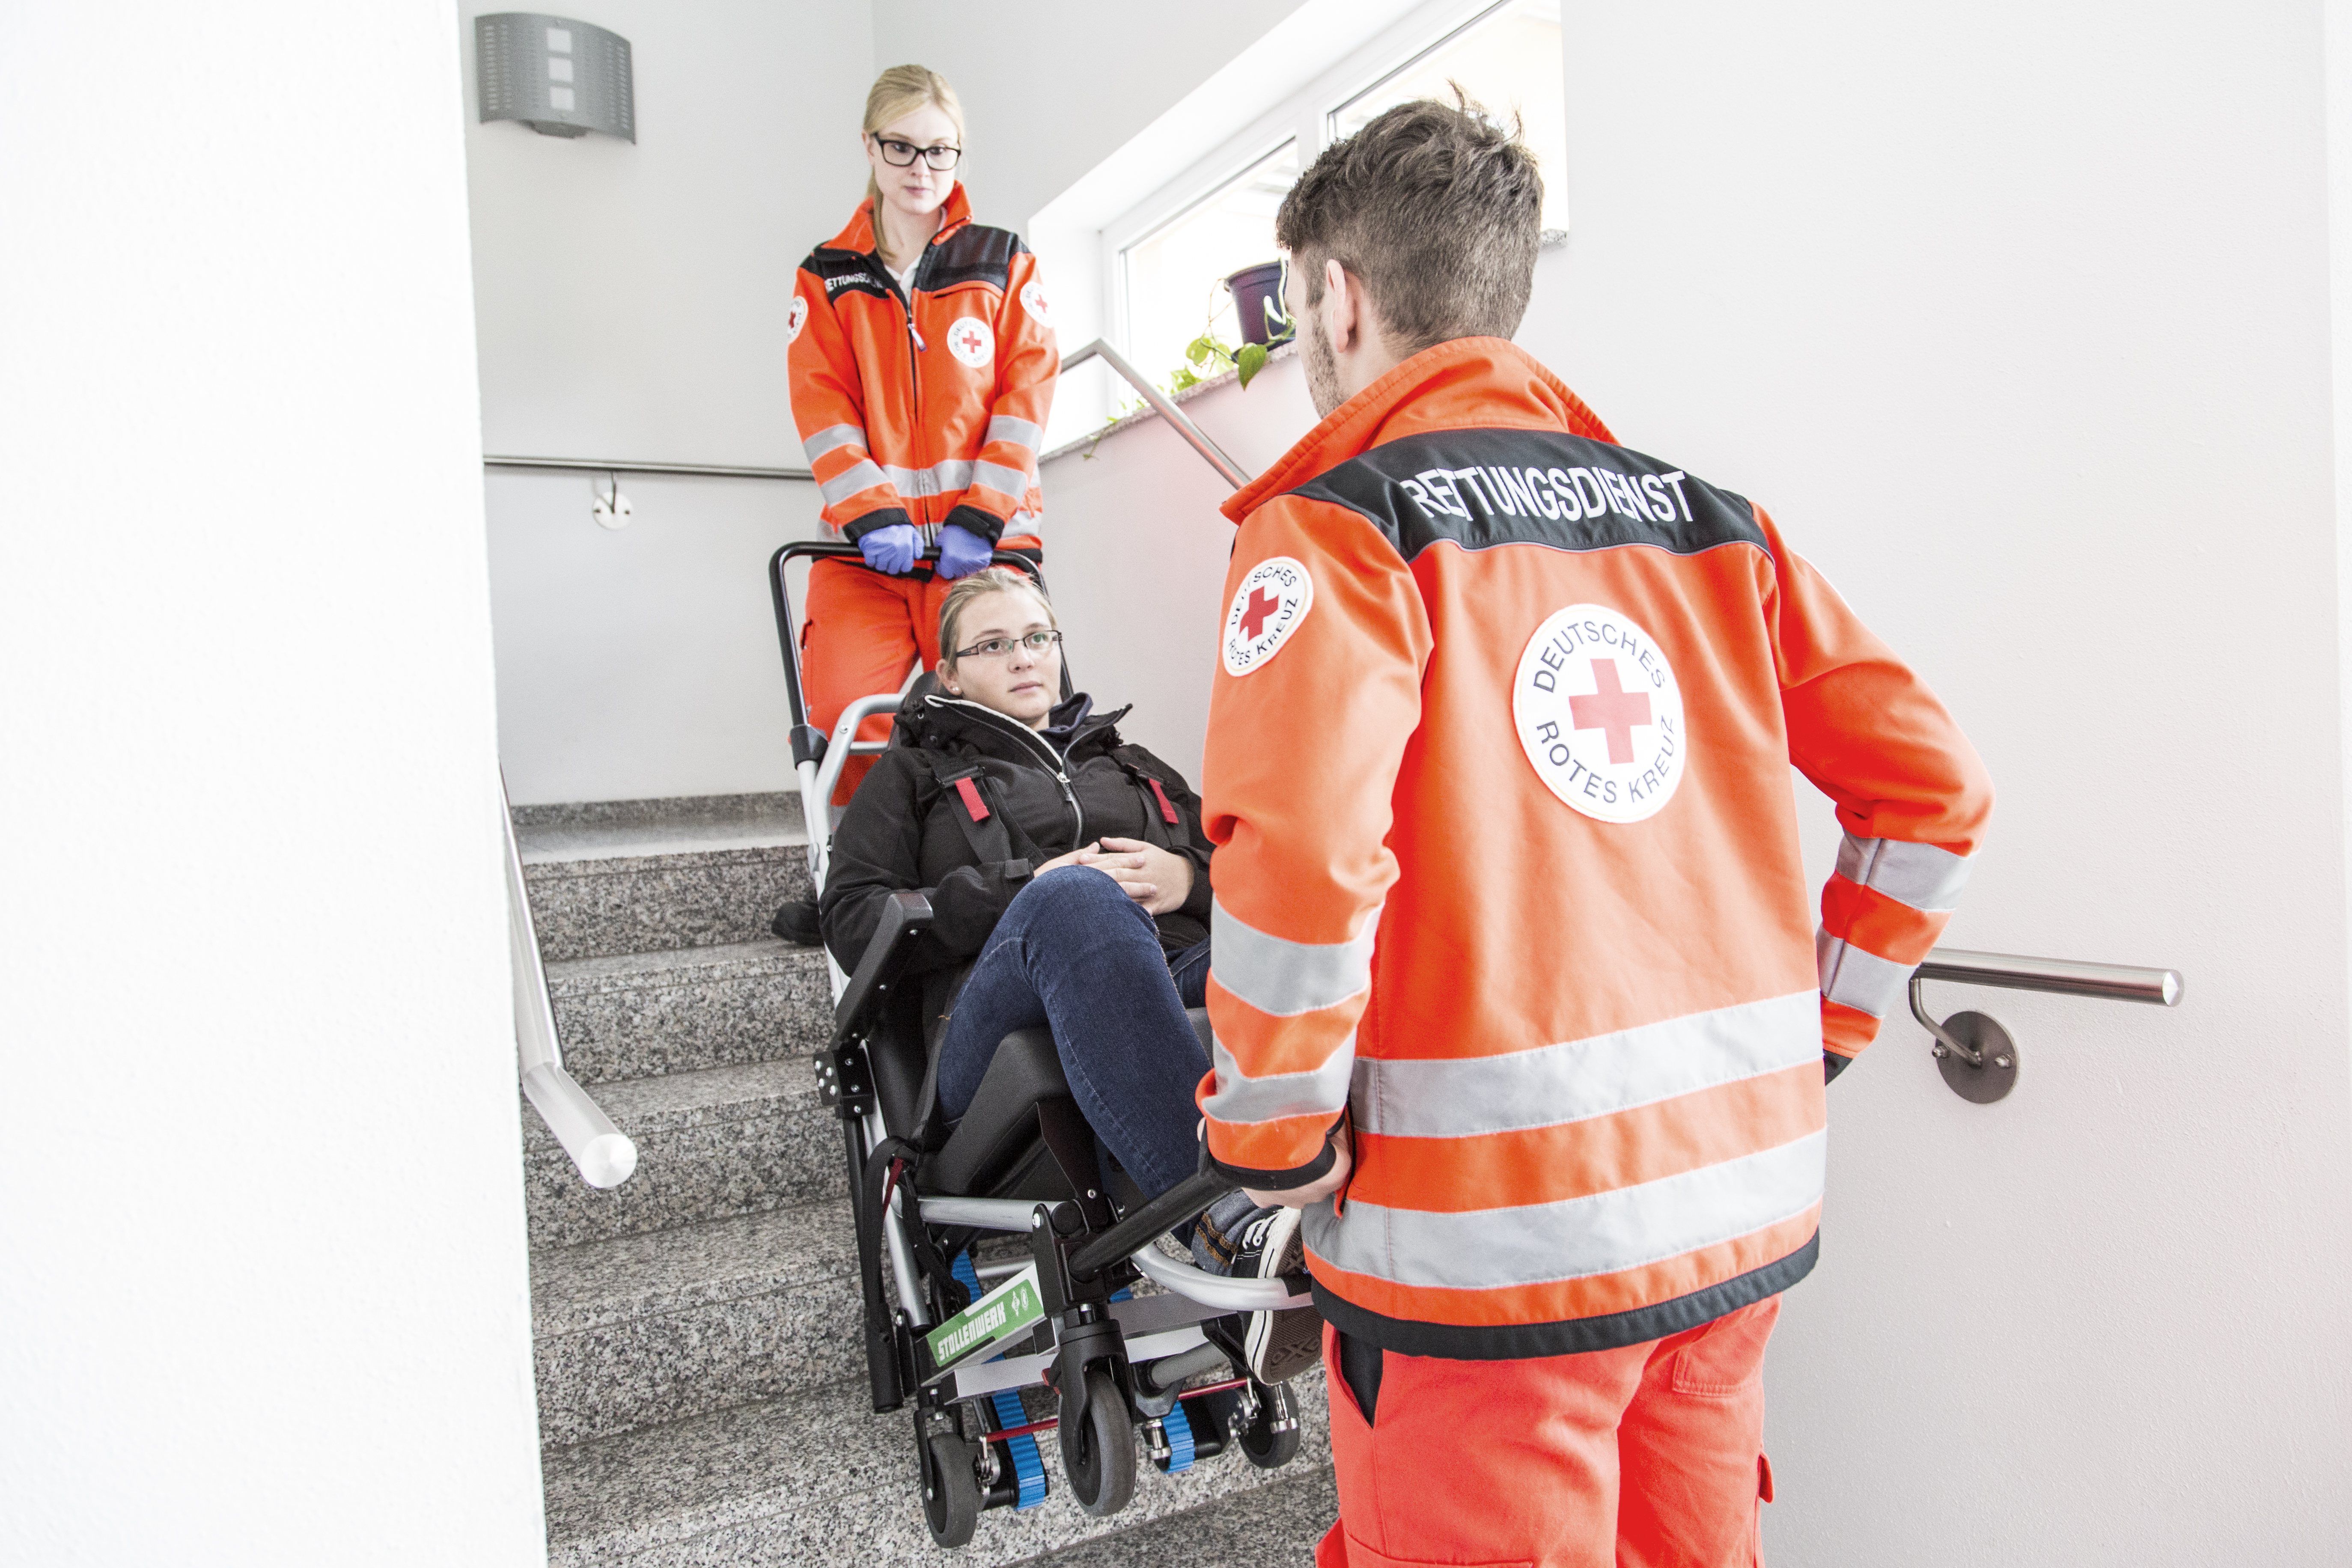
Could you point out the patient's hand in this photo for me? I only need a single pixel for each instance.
(1152, 877)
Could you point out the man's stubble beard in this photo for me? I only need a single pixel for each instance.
(1322, 366)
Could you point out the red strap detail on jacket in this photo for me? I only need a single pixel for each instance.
(1166, 809)
(971, 801)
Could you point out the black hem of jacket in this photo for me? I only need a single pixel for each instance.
(857, 528)
(1314, 1170)
(1573, 1336)
(975, 519)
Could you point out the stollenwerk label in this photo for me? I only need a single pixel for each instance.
(1010, 1309)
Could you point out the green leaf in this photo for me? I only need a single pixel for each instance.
(1249, 362)
(1199, 350)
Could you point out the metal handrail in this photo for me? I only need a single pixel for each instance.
(1163, 405)
(690, 470)
(2058, 976)
(1977, 1052)
(605, 1156)
(1159, 401)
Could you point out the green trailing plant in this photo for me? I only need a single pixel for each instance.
(1207, 358)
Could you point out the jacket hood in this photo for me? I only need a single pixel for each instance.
(859, 235)
(1484, 383)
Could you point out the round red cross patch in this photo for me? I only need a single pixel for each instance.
(1600, 714)
(1273, 599)
(974, 342)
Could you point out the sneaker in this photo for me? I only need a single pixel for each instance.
(1280, 1345)
(796, 923)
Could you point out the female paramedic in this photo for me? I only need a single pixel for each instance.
(922, 369)
(1068, 878)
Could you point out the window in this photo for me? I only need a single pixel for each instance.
(1174, 274)
(1508, 59)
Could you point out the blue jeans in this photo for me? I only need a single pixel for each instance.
(1075, 954)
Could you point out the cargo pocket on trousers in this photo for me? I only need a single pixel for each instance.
(1363, 1556)
(1726, 1360)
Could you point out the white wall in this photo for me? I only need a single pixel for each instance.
(264, 1292)
(632, 305)
(2017, 317)
(632, 302)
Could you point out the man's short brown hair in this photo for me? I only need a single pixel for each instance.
(1436, 208)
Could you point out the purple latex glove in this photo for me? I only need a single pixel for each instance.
(962, 552)
(891, 549)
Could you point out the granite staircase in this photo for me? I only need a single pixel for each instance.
(701, 1389)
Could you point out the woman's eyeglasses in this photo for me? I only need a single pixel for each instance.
(902, 154)
(997, 648)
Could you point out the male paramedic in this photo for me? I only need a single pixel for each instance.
(1516, 988)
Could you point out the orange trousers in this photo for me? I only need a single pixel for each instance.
(1638, 1458)
(861, 634)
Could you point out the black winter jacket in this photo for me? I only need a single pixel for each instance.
(909, 829)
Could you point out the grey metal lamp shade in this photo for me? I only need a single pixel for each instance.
(560, 77)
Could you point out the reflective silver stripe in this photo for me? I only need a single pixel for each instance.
(1286, 978)
(997, 476)
(1241, 1099)
(1858, 978)
(955, 474)
(1468, 1096)
(1021, 432)
(1919, 875)
(862, 475)
(833, 438)
(1575, 1238)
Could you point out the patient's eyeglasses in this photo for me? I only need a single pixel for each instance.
(902, 154)
(997, 648)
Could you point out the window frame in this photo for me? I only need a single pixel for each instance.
(1306, 116)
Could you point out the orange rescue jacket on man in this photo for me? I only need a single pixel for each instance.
(909, 408)
(1509, 866)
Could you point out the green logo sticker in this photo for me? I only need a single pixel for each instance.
(1008, 1311)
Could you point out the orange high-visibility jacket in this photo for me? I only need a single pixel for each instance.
(912, 409)
(1508, 868)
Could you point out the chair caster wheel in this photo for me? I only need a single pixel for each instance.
(950, 1489)
(1269, 1434)
(1098, 1448)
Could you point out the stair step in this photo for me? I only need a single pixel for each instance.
(641, 1329)
(642, 1014)
(642, 903)
(710, 1144)
(1276, 1526)
(590, 829)
(818, 1480)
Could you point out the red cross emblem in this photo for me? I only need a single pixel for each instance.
(1261, 605)
(1612, 708)
(965, 338)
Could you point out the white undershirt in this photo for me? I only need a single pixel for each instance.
(907, 278)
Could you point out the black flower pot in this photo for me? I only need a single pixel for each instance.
(1257, 303)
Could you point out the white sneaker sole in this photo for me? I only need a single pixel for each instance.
(1281, 1345)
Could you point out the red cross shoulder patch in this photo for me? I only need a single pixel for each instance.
(973, 341)
(1273, 599)
(1600, 714)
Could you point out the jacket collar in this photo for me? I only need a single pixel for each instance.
(859, 235)
(1462, 384)
(1073, 727)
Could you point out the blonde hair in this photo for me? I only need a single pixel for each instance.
(993, 580)
(898, 92)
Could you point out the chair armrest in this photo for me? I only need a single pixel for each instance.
(905, 918)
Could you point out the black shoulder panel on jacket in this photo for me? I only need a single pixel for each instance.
(971, 255)
(845, 272)
(1482, 488)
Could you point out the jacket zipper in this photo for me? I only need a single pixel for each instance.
(1061, 775)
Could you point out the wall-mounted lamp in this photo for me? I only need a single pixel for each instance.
(560, 77)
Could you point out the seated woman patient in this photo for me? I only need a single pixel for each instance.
(1069, 880)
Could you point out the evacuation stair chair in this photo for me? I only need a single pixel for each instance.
(1021, 1163)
